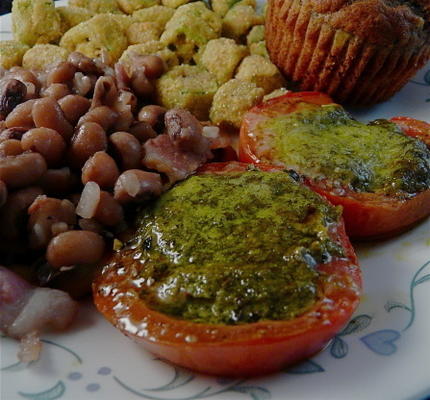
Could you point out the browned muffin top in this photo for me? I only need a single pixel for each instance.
(383, 22)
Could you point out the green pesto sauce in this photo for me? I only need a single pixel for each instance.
(326, 142)
(235, 249)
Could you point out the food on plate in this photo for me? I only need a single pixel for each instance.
(35, 21)
(261, 71)
(130, 6)
(239, 20)
(11, 53)
(221, 57)
(71, 16)
(101, 34)
(27, 311)
(378, 174)
(222, 6)
(190, 28)
(187, 86)
(41, 56)
(97, 6)
(255, 35)
(259, 49)
(358, 52)
(233, 100)
(174, 3)
(153, 47)
(413, 127)
(235, 271)
(158, 15)
(142, 32)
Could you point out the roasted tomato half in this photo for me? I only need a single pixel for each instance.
(237, 271)
(380, 176)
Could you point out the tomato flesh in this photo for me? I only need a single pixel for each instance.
(367, 215)
(232, 350)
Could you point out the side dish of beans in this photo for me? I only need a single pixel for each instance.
(81, 145)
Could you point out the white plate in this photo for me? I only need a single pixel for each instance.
(383, 353)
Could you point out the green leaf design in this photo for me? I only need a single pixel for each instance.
(181, 378)
(427, 77)
(392, 305)
(255, 392)
(338, 348)
(357, 324)
(53, 393)
(421, 280)
(306, 367)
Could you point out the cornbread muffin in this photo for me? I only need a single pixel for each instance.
(358, 51)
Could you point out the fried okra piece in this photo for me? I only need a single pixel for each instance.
(275, 93)
(102, 33)
(255, 35)
(130, 6)
(233, 100)
(174, 3)
(158, 15)
(42, 55)
(190, 28)
(187, 86)
(35, 21)
(260, 71)
(239, 20)
(221, 57)
(221, 7)
(142, 32)
(97, 6)
(11, 53)
(72, 16)
(259, 49)
(148, 48)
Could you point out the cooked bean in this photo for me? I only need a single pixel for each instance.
(102, 169)
(21, 116)
(47, 142)
(154, 66)
(12, 133)
(87, 224)
(44, 212)
(56, 91)
(89, 139)
(48, 114)
(59, 227)
(142, 131)
(135, 186)
(82, 84)
(74, 107)
(13, 215)
(3, 193)
(22, 170)
(12, 93)
(127, 148)
(152, 115)
(61, 73)
(128, 98)
(104, 116)
(74, 248)
(89, 200)
(141, 84)
(109, 211)
(23, 75)
(84, 64)
(58, 182)
(11, 147)
(105, 92)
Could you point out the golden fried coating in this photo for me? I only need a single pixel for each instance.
(190, 28)
(130, 6)
(239, 20)
(97, 6)
(255, 35)
(222, 6)
(11, 53)
(260, 71)
(152, 47)
(158, 15)
(174, 3)
(187, 86)
(42, 55)
(100, 34)
(221, 57)
(35, 21)
(141, 32)
(259, 49)
(275, 93)
(71, 16)
(233, 100)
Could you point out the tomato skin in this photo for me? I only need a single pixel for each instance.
(232, 350)
(414, 127)
(367, 216)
